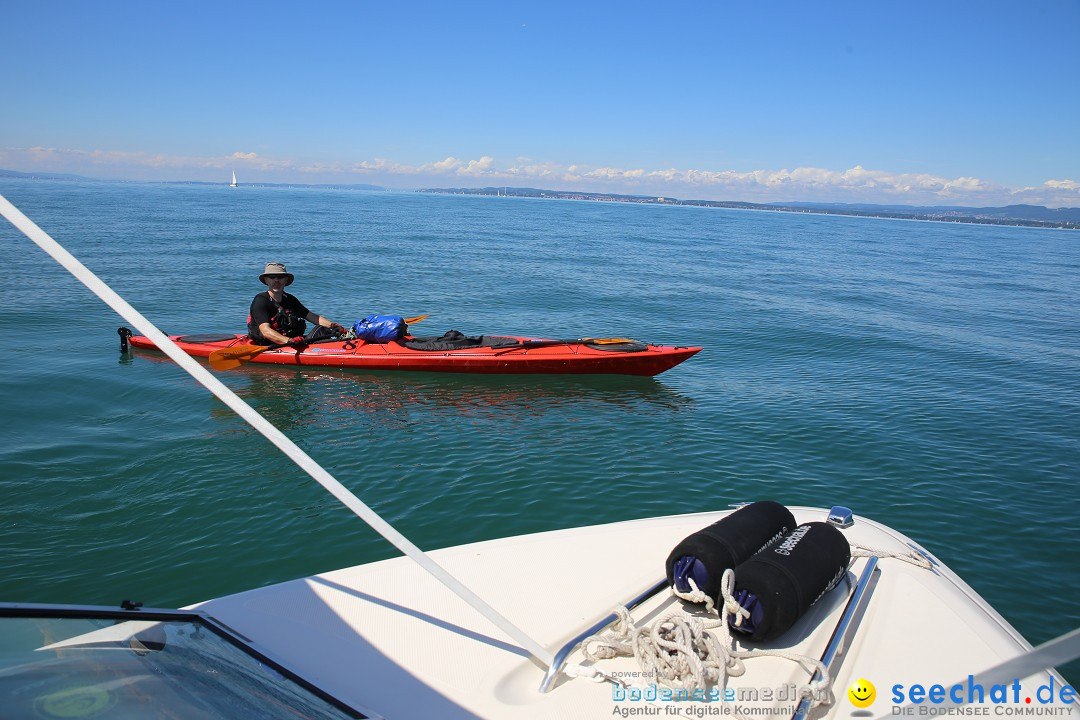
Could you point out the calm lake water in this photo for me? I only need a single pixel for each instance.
(926, 375)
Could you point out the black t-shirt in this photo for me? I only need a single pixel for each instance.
(287, 318)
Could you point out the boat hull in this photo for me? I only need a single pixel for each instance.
(565, 358)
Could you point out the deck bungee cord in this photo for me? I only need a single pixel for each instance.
(111, 298)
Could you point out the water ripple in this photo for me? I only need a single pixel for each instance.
(923, 374)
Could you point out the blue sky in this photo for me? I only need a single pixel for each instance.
(970, 103)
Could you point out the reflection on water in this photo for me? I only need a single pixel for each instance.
(295, 398)
(507, 398)
(469, 457)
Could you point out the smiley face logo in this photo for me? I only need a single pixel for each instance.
(862, 693)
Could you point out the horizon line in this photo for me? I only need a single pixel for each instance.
(897, 211)
(853, 185)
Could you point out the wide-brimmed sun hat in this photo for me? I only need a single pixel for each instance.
(276, 269)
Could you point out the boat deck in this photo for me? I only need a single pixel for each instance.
(391, 641)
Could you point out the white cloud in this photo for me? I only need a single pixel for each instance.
(614, 174)
(477, 167)
(449, 163)
(855, 184)
(528, 170)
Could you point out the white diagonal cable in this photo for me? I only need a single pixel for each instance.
(1058, 651)
(257, 421)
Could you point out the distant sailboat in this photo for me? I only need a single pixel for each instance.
(233, 183)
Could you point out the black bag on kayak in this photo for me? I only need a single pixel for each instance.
(454, 340)
(320, 333)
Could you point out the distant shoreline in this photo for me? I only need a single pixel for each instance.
(1035, 216)
(1012, 215)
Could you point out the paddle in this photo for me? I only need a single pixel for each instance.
(231, 357)
(235, 356)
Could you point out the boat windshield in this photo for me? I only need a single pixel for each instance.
(185, 666)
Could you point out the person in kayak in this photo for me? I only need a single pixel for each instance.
(277, 317)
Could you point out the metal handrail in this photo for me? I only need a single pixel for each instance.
(559, 660)
(849, 622)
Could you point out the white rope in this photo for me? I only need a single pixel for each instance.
(731, 605)
(679, 650)
(696, 596)
(911, 557)
(245, 411)
(817, 690)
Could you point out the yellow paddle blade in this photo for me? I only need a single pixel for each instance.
(410, 321)
(225, 363)
(230, 357)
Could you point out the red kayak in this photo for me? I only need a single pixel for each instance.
(500, 354)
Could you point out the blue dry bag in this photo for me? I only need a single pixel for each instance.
(380, 328)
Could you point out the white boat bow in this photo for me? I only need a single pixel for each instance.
(389, 640)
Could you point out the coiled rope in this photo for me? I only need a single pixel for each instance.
(679, 650)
